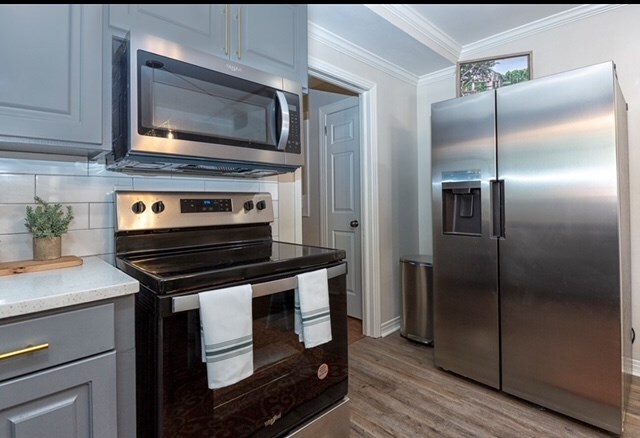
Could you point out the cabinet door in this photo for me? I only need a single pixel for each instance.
(51, 75)
(201, 26)
(73, 401)
(272, 38)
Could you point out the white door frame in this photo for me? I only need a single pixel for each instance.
(371, 317)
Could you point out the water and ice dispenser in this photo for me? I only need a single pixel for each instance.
(461, 208)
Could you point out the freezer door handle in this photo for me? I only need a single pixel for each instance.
(497, 209)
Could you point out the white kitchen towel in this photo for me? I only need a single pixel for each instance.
(312, 317)
(227, 329)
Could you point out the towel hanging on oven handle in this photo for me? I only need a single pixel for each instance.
(191, 302)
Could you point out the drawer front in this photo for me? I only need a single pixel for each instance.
(55, 339)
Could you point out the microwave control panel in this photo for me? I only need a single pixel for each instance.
(293, 142)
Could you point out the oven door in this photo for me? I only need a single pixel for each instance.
(289, 387)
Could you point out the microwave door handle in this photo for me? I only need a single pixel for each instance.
(284, 116)
(192, 302)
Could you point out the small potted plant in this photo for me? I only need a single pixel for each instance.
(47, 222)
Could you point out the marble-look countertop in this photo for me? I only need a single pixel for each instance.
(34, 292)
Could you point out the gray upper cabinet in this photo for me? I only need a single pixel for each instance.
(272, 38)
(51, 77)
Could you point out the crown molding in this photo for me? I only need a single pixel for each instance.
(560, 19)
(329, 39)
(405, 18)
(422, 30)
(444, 74)
(338, 76)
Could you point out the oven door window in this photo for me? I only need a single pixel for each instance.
(289, 382)
(182, 101)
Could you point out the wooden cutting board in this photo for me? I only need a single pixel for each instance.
(24, 266)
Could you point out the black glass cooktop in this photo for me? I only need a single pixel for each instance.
(192, 269)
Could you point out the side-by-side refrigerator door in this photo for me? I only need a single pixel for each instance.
(466, 319)
(559, 261)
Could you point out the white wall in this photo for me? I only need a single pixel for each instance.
(435, 88)
(88, 188)
(609, 36)
(397, 155)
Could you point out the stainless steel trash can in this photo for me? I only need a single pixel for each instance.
(416, 322)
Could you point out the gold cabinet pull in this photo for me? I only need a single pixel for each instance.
(26, 350)
(226, 29)
(239, 51)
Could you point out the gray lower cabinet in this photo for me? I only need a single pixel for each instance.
(70, 372)
(51, 78)
(272, 37)
(76, 400)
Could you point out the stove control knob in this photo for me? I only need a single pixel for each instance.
(248, 205)
(157, 207)
(138, 207)
(261, 205)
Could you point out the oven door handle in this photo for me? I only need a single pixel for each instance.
(192, 302)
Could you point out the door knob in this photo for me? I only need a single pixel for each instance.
(354, 224)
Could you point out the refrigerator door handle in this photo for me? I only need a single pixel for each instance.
(497, 209)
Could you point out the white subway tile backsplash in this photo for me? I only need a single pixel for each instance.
(232, 185)
(88, 187)
(286, 222)
(88, 242)
(79, 189)
(17, 189)
(286, 230)
(270, 187)
(20, 162)
(14, 247)
(109, 258)
(168, 184)
(80, 216)
(12, 218)
(101, 215)
(97, 168)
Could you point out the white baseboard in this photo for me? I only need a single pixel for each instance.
(390, 326)
(635, 367)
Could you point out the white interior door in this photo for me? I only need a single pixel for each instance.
(340, 122)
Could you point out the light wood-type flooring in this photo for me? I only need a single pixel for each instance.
(396, 391)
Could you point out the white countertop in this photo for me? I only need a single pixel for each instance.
(33, 292)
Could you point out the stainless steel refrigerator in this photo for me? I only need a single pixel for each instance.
(531, 262)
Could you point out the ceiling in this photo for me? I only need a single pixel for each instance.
(423, 38)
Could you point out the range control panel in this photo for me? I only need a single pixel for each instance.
(208, 205)
(162, 210)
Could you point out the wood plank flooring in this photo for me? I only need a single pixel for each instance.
(354, 330)
(396, 391)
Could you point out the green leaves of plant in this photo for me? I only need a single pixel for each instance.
(47, 220)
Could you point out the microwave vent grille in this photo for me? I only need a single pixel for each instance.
(152, 165)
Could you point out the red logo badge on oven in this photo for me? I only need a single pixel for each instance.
(323, 370)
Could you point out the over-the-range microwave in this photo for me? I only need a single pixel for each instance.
(177, 109)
